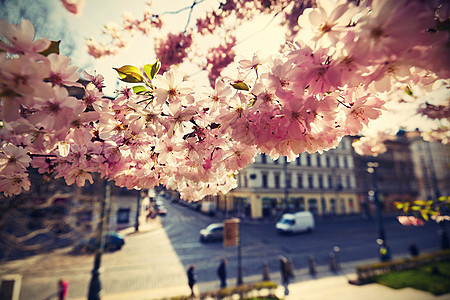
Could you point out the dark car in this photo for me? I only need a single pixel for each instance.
(113, 242)
(214, 232)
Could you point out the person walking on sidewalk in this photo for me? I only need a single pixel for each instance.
(192, 278)
(222, 273)
(286, 273)
(63, 286)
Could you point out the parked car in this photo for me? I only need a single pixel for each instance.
(161, 210)
(213, 232)
(298, 222)
(113, 242)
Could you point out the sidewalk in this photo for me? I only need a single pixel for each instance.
(333, 287)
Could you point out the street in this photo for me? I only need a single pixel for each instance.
(355, 237)
(158, 258)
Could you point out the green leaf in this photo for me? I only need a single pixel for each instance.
(130, 74)
(240, 86)
(420, 202)
(399, 205)
(424, 216)
(139, 88)
(443, 198)
(52, 48)
(152, 69)
(417, 208)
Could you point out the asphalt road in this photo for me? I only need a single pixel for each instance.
(355, 236)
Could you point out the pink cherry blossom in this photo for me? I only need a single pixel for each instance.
(18, 39)
(13, 159)
(60, 71)
(171, 87)
(54, 113)
(74, 6)
(327, 21)
(369, 145)
(12, 184)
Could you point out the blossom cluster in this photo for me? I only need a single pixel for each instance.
(330, 82)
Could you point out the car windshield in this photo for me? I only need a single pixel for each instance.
(287, 221)
(213, 227)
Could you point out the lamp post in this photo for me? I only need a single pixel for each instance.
(385, 254)
(95, 286)
(138, 209)
(286, 186)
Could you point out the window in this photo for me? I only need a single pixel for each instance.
(310, 182)
(351, 205)
(299, 181)
(299, 160)
(312, 206)
(327, 159)
(330, 182)
(345, 162)
(319, 163)
(339, 183)
(123, 216)
(263, 158)
(288, 180)
(308, 160)
(277, 181)
(264, 180)
(320, 182)
(349, 182)
(336, 160)
(276, 161)
(253, 176)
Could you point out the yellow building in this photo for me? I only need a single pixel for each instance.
(321, 183)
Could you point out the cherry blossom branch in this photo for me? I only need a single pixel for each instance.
(182, 9)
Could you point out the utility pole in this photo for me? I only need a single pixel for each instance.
(138, 209)
(286, 186)
(385, 254)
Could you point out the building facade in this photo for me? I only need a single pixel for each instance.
(321, 183)
(394, 176)
(431, 167)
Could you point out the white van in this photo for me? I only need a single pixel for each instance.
(298, 222)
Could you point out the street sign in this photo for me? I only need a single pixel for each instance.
(231, 233)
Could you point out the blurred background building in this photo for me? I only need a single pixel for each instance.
(337, 182)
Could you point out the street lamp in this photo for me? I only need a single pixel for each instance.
(286, 186)
(385, 254)
(138, 208)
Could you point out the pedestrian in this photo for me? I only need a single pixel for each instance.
(63, 286)
(192, 278)
(222, 273)
(413, 250)
(286, 274)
